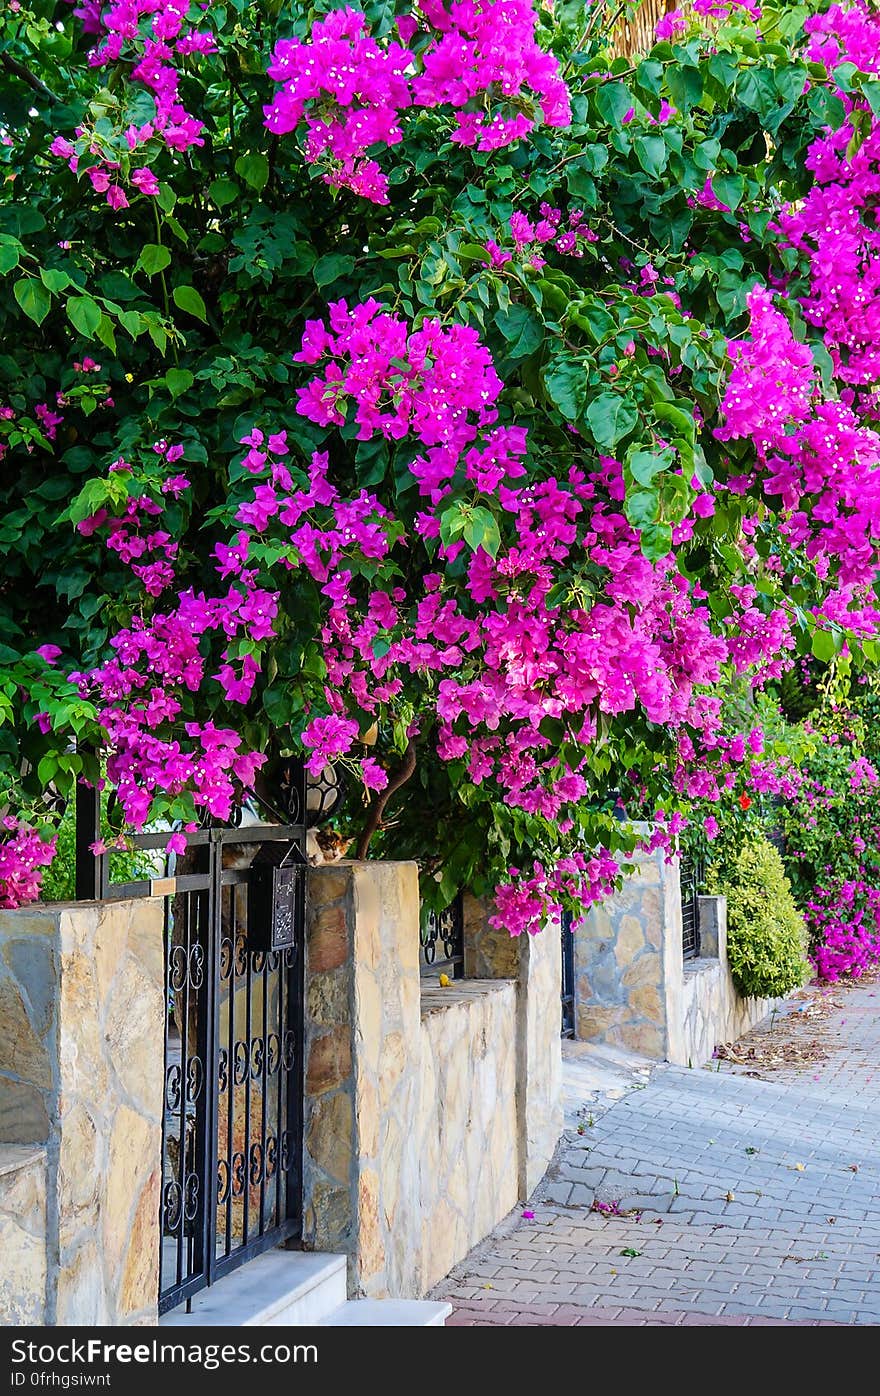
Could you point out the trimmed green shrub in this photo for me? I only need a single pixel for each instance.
(766, 934)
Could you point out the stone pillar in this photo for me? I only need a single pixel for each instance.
(488, 953)
(539, 1054)
(82, 997)
(363, 1071)
(713, 928)
(628, 963)
(535, 963)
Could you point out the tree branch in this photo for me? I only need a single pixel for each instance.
(18, 70)
(374, 818)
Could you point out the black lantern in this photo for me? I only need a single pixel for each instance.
(276, 896)
(325, 794)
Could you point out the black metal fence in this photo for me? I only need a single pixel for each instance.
(568, 1018)
(233, 1068)
(441, 941)
(692, 874)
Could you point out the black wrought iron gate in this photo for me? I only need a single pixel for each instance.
(691, 875)
(233, 1070)
(567, 995)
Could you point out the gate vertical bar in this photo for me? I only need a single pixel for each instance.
(89, 868)
(265, 1091)
(182, 1237)
(213, 936)
(568, 992)
(295, 1081)
(247, 1142)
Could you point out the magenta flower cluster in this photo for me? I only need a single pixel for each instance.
(530, 236)
(23, 855)
(150, 39)
(477, 60)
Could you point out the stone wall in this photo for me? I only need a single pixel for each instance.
(535, 963)
(712, 1010)
(628, 960)
(632, 987)
(467, 1125)
(82, 998)
(23, 1271)
(362, 1071)
(428, 1112)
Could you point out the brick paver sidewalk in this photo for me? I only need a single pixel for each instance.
(747, 1201)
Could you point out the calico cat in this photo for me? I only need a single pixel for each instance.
(325, 846)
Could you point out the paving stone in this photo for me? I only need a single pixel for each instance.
(675, 1149)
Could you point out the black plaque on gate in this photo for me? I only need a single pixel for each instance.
(277, 887)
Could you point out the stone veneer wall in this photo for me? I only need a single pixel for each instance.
(82, 1003)
(467, 1126)
(361, 1167)
(632, 987)
(23, 1270)
(628, 962)
(712, 1010)
(427, 1113)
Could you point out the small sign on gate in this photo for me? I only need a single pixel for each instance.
(275, 893)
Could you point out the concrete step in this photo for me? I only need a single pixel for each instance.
(388, 1313)
(277, 1289)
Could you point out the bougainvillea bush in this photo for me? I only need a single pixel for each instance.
(831, 830)
(429, 371)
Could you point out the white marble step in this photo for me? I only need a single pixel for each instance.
(388, 1313)
(276, 1289)
(298, 1289)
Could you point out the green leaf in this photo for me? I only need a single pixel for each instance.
(84, 314)
(567, 385)
(254, 170)
(223, 191)
(613, 101)
(652, 154)
(481, 531)
(729, 189)
(682, 421)
(522, 330)
(153, 258)
(641, 507)
(581, 185)
(452, 522)
(656, 541)
(8, 258)
(611, 417)
(329, 268)
(106, 333)
(131, 322)
(33, 298)
(187, 298)
(178, 380)
(823, 645)
(685, 85)
(53, 279)
(644, 465)
(829, 109)
(594, 317)
(790, 80)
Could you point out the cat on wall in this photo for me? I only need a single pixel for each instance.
(325, 846)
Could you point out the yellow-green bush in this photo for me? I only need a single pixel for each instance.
(766, 934)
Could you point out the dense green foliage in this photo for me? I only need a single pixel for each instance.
(766, 934)
(192, 303)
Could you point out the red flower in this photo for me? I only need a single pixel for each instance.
(744, 802)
